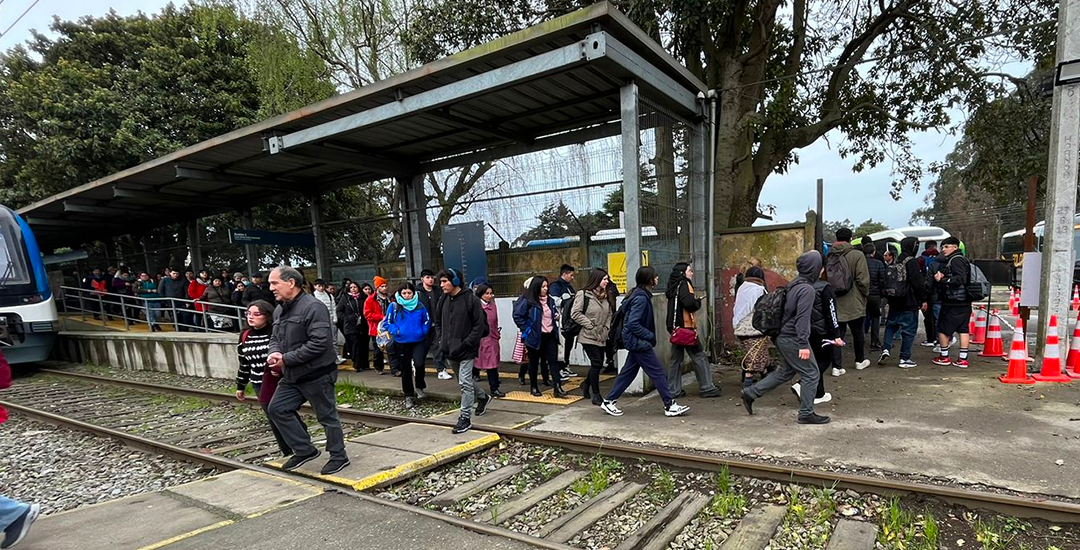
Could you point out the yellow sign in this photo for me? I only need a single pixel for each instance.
(616, 263)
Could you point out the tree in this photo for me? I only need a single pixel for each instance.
(872, 70)
(867, 227)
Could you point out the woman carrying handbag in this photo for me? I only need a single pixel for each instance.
(682, 326)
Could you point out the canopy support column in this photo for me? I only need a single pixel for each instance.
(414, 225)
(628, 99)
(248, 223)
(322, 257)
(194, 246)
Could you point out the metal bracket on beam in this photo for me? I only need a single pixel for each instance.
(603, 46)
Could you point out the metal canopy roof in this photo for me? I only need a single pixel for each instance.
(549, 85)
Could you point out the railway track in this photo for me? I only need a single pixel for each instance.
(556, 504)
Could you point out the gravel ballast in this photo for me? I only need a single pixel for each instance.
(63, 469)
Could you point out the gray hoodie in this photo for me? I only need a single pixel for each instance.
(799, 305)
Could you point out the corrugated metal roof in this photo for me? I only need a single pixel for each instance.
(235, 170)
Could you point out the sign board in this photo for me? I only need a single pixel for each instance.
(463, 249)
(1030, 279)
(273, 238)
(616, 263)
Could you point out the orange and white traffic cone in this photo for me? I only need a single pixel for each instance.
(1072, 360)
(1014, 305)
(1076, 298)
(978, 335)
(1051, 361)
(1017, 373)
(971, 323)
(994, 345)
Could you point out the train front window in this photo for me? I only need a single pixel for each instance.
(13, 267)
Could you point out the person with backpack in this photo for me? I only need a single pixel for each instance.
(538, 319)
(634, 328)
(592, 311)
(928, 261)
(873, 300)
(905, 290)
(824, 336)
(562, 289)
(682, 328)
(755, 345)
(847, 272)
(407, 322)
(953, 280)
(374, 312)
(462, 325)
(785, 315)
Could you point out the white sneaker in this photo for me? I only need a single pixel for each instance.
(928, 343)
(838, 372)
(823, 399)
(884, 357)
(340, 359)
(610, 408)
(796, 388)
(862, 364)
(937, 348)
(907, 364)
(676, 409)
(444, 376)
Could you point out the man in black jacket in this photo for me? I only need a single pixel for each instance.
(257, 290)
(955, 304)
(430, 295)
(462, 324)
(905, 305)
(793, 343)
(175, 288)
(873, 301)
(302, 350)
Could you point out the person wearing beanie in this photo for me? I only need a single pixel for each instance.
(953, 279)
(847, 272)
(374, 311)
(463, 325)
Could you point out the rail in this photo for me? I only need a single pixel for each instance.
(181, 314)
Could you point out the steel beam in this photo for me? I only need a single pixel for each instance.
(628, 99)
(482, 127)
(322, 256)
(353, 159)
(105, 210)
(236, 179)
(503, 77)
(605, 48)
(559, 140)
(171, 197)
(415, 225)
(250, 252)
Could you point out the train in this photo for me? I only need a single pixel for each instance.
(28, 319)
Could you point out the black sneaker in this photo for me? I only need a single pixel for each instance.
(497, 393)
(682, 393)
(19, 528)
(298, 461)
(813, 419)
(610, 369)
(748, 402)
(715, 392)
(334, 466)
(481, 404)
(463, 425)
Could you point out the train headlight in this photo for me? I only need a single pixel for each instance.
(33, 299)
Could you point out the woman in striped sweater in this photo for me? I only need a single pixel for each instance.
(252, 351)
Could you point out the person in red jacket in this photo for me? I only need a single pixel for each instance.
(374, 311)
(195, 291)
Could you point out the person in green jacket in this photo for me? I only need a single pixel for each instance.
(146, 288)
(851, 297)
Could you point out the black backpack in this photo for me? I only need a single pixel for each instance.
(570, 327)
(768, 314)
(896, 280)
(615, 332)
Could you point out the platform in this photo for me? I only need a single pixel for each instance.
(395, 454)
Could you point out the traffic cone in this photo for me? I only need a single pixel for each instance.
(971, 323)
(978, 335)
(1072, 360)
(1014, 304)
(1076, 298)
(1017, 373)
(993, 347)
(1051, 361)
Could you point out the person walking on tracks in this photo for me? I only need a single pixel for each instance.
(793, 342)
(408, 323)
(252, 352)
(462, 324)
(682, 326)
(847, 272)
(15, 517)
(635, 329)
(302, 346)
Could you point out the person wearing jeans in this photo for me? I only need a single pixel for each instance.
(15, 520)
(639, 338)
(462, 323)
(904, 306)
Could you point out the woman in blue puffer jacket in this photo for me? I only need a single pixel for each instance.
(407, 321)
(538, 319)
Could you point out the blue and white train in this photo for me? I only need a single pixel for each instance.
(28, 319)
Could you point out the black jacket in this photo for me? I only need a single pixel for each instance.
(168, 288)
(303, 335)
(254, 292)
(877, 276)
(916, 295)
(684, 301)
(350, 314)
(461, 325)
(823, 322)
(956, 270)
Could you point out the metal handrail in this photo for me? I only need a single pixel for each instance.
(181, 312)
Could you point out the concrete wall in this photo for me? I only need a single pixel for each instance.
(205, 355)
(778, 246)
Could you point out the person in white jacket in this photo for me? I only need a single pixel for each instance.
(330, 301)
(755, 345)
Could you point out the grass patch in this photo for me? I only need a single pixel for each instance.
(351, 393)
(727, 502)
(189, 404)
(902, 530)
(662, 489)
(600, 471)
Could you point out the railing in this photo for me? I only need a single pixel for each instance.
(134, 310)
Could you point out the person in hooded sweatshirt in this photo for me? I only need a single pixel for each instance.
(793, 342)
(904, 306)
(408, 323)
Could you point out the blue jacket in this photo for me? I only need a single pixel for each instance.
(639, 327)
(407, 326)
(528, 319)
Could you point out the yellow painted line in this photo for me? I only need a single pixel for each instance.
(187, 535)
(409, 468)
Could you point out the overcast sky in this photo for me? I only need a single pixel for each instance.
(847, 194)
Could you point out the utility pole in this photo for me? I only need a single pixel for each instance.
(1057, 263)
(819, 227)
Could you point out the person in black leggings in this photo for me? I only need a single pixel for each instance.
(538, 319)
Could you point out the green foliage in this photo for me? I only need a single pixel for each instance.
(600, 472)
(662, 489)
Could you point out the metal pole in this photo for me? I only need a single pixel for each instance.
(1057, 262)
(194, 248)
(250, 252)
(628, 99)
(1029, 234)
(710, 210)
(819, 227)
(322, 258)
